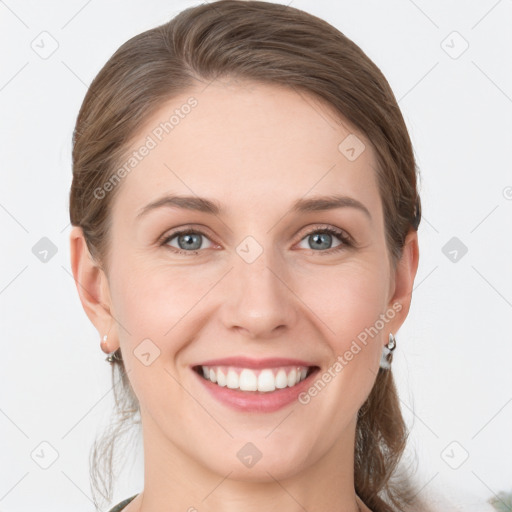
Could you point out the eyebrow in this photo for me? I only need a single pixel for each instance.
(202, 204)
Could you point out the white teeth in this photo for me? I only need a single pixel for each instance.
(292, 377)
(282, 379)
(221, 378)
(266, 381)
(246, 379)
(232, 379)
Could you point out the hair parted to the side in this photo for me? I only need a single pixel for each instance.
(273, 44)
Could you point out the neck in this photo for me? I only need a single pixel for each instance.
(173, 478)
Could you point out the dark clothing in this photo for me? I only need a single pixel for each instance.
(121, 505)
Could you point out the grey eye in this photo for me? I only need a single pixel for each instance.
(321, 240)
(187, 240)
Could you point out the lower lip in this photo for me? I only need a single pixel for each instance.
(256, 401)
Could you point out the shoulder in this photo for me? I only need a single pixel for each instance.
(121, 505)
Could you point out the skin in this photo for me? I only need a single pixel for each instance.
(255, 149)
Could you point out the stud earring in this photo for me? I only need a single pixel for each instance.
(386, 358)
(112, 356)
(103, 344)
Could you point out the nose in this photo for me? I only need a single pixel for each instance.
(260, 302)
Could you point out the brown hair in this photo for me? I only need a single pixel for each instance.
(273, 44)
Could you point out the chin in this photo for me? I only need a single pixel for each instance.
(261, 460)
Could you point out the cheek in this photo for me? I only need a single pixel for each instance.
(347, 299)
(151, 301)
(349, 302)
(157, 302)
(156, 308)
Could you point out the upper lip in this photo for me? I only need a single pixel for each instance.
(247, 362)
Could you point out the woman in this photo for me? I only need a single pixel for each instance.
(245, 213)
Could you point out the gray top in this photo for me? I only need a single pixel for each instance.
(123, 504)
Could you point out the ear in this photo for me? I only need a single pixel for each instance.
(92, 285)
(402, 284)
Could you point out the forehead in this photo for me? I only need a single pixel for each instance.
(245, 143)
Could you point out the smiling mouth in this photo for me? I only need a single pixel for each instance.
(263, 380)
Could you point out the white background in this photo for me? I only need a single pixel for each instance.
(454, 354)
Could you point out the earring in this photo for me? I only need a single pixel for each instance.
(113, 356)
(103, 344)
(385, 358)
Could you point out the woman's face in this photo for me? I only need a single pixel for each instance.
(255, 290)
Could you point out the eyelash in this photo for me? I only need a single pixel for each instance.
(346, 240)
